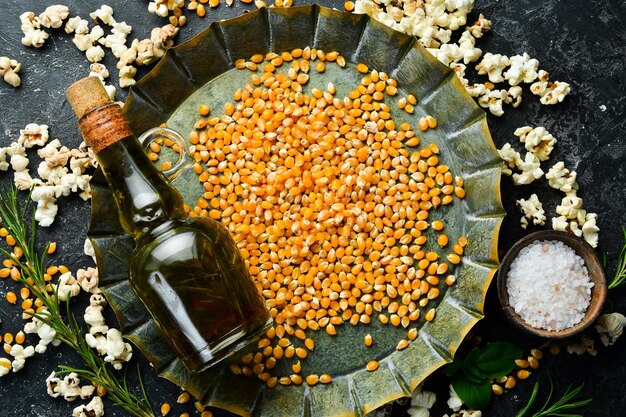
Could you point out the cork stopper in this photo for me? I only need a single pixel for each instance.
(86, 95)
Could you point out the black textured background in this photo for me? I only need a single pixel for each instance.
(577, 41)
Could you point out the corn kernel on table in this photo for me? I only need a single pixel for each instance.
(579, 42)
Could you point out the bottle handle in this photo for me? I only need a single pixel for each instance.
(184, 160)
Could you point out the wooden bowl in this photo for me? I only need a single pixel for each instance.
(596, 274)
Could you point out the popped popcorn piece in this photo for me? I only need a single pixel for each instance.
(610, 327)
(127, 74)
(454, 402)
(54, 154)
(47, 335)
(538, 141)
(20, 354)
(34, 135)
(590, 229)
(531, 170)
(95, 408)
(523, 69)
(467, 47)
(158, 8)
(532, 209)
(586, 345)
(466, 413)
(4, 165)
(549, 92)
(478, 90)
(54, 16)
(111, 346)
(19, 162)
(88, 279)
(511, 157)
(493, 65)
(45, 196)
(562, 178)
(23, 181)
(33, 35)
(67, 287)
(77, 25)
(104, 14)
(570, 206)
(95, 53)
(493, 101)
(5, 366)
(421, 402)
(9, 69)
(479, 27)
(514, 96)
(94, 317)
(69, 387)
(89, 250)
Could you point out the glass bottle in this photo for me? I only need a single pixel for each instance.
(187, 271)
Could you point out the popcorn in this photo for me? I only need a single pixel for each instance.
(493, 100)
(514, 96)
(19, 162)
(45, 196)
(586, 345)
(66, 287)
(95, 408)
(493, 65)
(33, 35)
(77, 25)
(111, 346)
(5, 366)
(538, 141)
(480, 27)
(54, 16)
(69, 387)
(34, 135)
(523, 69)
(20, 354)
(126, 76)
(454, 402)
(467, 46)
(22, 180)
(531, 170)
(550, 92)
(104, 14)
(421, 402)
(532, 209)
(590, 229)
(610, 327)
(9, 69)
(562, 178)
(88, 279)
(570, 205)
(47, 335)
(511, 157)
(95, 53)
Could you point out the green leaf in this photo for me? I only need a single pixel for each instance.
(497, 359)
(475, 395)
(452, 367)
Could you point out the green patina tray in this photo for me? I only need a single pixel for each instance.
(202, 71)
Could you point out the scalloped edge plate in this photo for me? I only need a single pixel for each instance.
(358, 38)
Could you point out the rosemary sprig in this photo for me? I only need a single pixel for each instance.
(563, 407)
(620, 273)
(13, 217)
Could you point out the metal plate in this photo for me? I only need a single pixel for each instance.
(202, 71)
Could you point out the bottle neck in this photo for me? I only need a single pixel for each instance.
(144, 197)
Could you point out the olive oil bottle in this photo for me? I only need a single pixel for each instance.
(187, 271)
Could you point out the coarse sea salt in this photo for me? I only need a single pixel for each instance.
(549, 286)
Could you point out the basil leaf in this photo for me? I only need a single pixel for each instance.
(497, 359)
(453, 367)
(476, 396)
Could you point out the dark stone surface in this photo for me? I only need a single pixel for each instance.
(581, 42)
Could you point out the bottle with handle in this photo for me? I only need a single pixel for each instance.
(187, 271)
